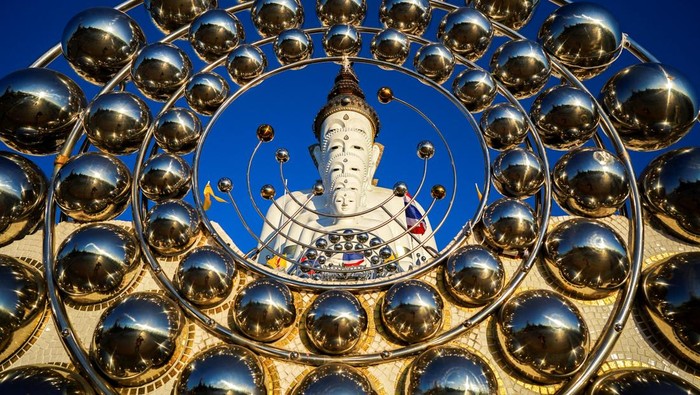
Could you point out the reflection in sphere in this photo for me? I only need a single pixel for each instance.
(169, 15)
(335, 322)
(293, 45)
(334, 378)
(171, 227)
(467, 32)
(271, 17)
(434, 61)
(205, 276)
(518, 173)
(22, 192)
(511, 13)
(165, 176)
(640, 382)
(342, 40)
(32, 122)
(475, 89)
(474, 275)
(177, 130)
(44, 380)
(522, 66)
(390, 45)
(22, 298)
(245, 63)
(453, 368)
(542, 335)
(587, 257)
(205, 92)
(264, 310)
(670, 186)
(160, 69)
(98, 42)
(590, 182)
(407, 16)
(565, 117)
(214, 34)
(509, 224)
(117, 122)
(346, 12)
(651, 105)
(503, 126)
(96, 262)
(137, 337)
(93, 187)
(224, 369)
(412, 311)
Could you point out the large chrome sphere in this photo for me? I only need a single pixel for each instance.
(651, 105)
(509, 224)
(165, 176)
(205, 276)
(137, 337)
(117, 122)
(32, 122)
(412, 311)
(434, 61)
(171, 227)
(44, 380)
(542, 335)
(22, 192)
(512, 13)
(271, 17)
(669, 187)
(522, 66)
(587, 257)
(565, 117)
(335, 322)
(293, 45)
(474, 275)
(22, 298)
(518, 173)
(453, 368)
(245, 63)
(264, 310)
(475, 89)
(223, 369)
(214, 34)
(590, 182)
(583, 36)
(503, 126)
(177, 130)
(334, 378)
(169, 15)
(640, 382)
(408, 16)
(390, 45)
(99, 42)
(96, 262)
(346, 12)
(467, 32)
(160, 69)
(93, 187)
(670, 290)
(342, 40)
(205, 92)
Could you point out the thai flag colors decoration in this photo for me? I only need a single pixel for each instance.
(413, 216)
(352, 259)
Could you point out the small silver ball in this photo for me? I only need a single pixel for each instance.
(475, 89)
(407, 16)
(205, 92)
(518, 173)
(347, 12)
(438, 192)
(400, 189)
(160, 69)
(267, 192)
(205, 276)
(521, 66)
(425, 150)
(311, 254)
(450, 367)
(264, 310)
(225, 185)
(245, 63)
(503, 126)
(318, 188)
(45, 380)
(223, 369)
(271, 17)
(509, 224)
(171, 227)
(411, 311)
(293, 45)
(334, 378)
(386, 252)
(170, 15)
(117, 122)
(335, 322)
(362, 237)
(512, 13)
(390, 45)
(565, 117)
(342, 40)
(466, 31)
(334, 237)
(282, 155)
(214, 34)
(23, 189)
(434, 61)
(474, 275)
(177, 130)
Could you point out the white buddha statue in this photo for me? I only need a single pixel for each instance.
(354, 223)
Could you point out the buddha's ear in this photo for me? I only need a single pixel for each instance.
(374, 158)
(315, 152)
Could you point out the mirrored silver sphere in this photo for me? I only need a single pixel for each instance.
(517, 173)
(474, 275)
(44, 380)
(165, 176)
(587, 258)
(117, 122)
(223, 369)
(96, 262)
(503, 126)
(509, 224)
(224, 185)
(512, 13)
(475, 89)
(408, 16)
(342, 40)
(271, 17)
(640, 382)
(171, 227)
(565, 117)
(347, 12)
(447, 369)
(466, 31)
(651, 105)
(590, 182)
(32, 122)
(335, 322)
(334, 378)
(411, 311)
(425, 150)
(205, 92)
(169, 15)
(214, 34)
(93, 187)
(177, 130)
(205, 276)
(542, 336)
(137, 337)
(264, 310)
(293, 45)
(160, 69)
(522, 66)
(434, 61)
(245, 63)
(22, 192)
(390, 45)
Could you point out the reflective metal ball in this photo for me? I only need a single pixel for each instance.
(265, 133)
(587, 258)
(411, 311)
(475, 89)
(474, 275)
(96, 262)
(438, 192)
(45, 380)
(169, 15)
(33, 122)
(22, 192)
(400, 190)
(264, 310)
(318, 189)
(215, 33)
(512, 13)
(542, 336)
(342, 40)
(348, 12)
(335, 322)
(640, 382)
(385, 95)
(205, 276)
(390, 45)
(245, 63)
(93, 187)
(171, 227)
(590, 182)
(425, 149)
(267, 192)
(225, 185)
(137, 337)
(117, 122)
(271, 17)
(293, 45)
(565, 117)
(434, 61)
(160, 69)
(509, 224)
(334, 378)
(408, 16)
(522, 66)
(453, 368)
(517, 173)
(282, 155)
(651, 105)
(205, 92)
(100, 41)
(503, 126)
(165, 176)
(466, 31)
(22, 299)
(177, 130)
